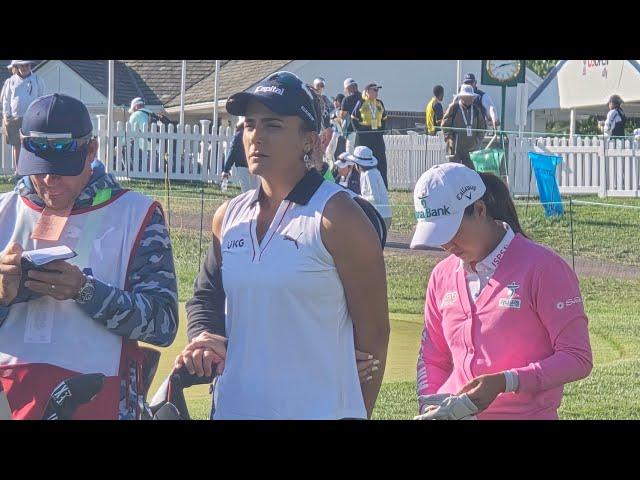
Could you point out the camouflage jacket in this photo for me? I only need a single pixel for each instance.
(148, 312)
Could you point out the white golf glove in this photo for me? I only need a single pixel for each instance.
(446, 407)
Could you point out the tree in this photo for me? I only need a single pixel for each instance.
(541, 67)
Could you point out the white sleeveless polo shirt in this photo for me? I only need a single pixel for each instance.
(291, 351)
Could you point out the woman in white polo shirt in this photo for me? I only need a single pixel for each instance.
(299, 298)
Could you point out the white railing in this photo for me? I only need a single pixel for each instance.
(589, 164)
(6, 161)
(190, 153)
(409, 156)
(588, 167)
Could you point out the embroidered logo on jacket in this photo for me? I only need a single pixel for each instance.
(568, 303)
(449, 298)
(512, 300)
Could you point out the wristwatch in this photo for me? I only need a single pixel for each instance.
(87, 291)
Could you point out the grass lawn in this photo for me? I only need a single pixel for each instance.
(611, 392)
(603, 233)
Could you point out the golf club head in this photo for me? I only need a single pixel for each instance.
(171, 391)
(149, 368)
(168, 411)
(72, 392)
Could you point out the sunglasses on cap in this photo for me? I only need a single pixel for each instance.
(38, 142)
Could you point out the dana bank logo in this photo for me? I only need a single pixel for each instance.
(428, 212)
(591, 65)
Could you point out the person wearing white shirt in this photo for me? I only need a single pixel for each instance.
(615, 122)
(483, 100)
(295, 301)
(372, 186)
(22, 88)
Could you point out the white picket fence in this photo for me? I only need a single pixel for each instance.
(589, 166)
(189, 153)
(6, 162)
(409, 156)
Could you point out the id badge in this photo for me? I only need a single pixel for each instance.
(469, 132)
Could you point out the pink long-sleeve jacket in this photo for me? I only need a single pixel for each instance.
(529, 319)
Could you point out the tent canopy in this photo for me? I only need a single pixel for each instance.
(587, 84)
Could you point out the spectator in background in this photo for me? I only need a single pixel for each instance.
(18, 91)
(463, 126)
(352, 97)
(237, 157)
(483, 101)
(369, 117)
(337, 145)
(318, 87)
(372, 187)
(324, 114)
(346, 174)
(616, 119)
(434, 111)
(337, 103)
(138, 119)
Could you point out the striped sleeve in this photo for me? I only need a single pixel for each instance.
(148, 310)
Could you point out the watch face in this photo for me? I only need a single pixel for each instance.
(503, 70)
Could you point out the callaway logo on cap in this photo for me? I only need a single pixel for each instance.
(440, 197)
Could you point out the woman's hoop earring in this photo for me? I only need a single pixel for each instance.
(307, 160)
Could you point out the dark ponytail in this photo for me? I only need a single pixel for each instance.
(498, 202)
(318, 109)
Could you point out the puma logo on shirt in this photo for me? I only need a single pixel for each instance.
(294, 240)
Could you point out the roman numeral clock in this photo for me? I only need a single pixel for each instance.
(503, 73)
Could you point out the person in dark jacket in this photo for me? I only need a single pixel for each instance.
(614, 125)
(236, 156)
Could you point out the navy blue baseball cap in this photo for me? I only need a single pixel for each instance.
(282, 92)
(56, 130)
(469, 78)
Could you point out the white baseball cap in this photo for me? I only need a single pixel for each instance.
(440, 197)
(349, 81)
(318, 81)
(136, 101)
(343, 160)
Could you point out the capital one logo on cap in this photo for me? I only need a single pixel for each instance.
(272, 89)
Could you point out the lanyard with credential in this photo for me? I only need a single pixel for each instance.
(94, 220)
(469, 125)
(374, 110)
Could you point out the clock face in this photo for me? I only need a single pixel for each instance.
(503, 70)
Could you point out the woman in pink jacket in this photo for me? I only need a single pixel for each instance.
(504, 318)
